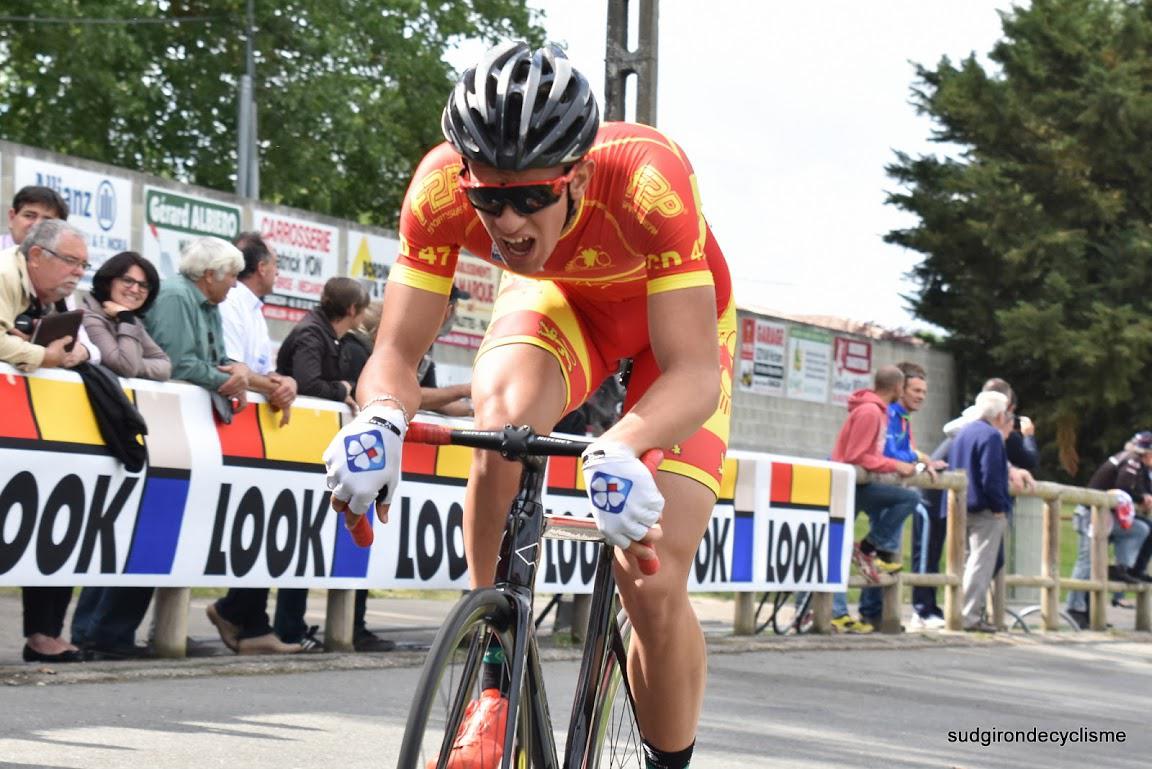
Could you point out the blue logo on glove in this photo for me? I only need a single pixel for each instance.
(365, 451)
(609, 492)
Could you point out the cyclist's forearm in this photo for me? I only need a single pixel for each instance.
(387, 373)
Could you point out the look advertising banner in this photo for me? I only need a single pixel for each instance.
(851, 369)
(100, 205)
(762, 356)
(173, 219)
(245, 505)
(369, 258)
(480, 279)
(308, 257)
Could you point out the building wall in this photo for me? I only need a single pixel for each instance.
(799, 428)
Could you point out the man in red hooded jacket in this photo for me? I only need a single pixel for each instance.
(861, 442)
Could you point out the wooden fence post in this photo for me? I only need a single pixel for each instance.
(957, 541)
(1050, 564)
(1098, 596)
(744, 619)
(171, 617)
(822, 613)
(338, 621)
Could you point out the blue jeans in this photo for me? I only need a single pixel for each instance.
(109, 616)
(1127, 542)
(887, 507)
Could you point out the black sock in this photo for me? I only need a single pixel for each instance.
(495, 671)
(657, 759)
(866, 547)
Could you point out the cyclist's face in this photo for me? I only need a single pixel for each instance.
(525, 241)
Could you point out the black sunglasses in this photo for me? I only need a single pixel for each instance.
(526, 198)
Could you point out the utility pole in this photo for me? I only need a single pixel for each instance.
(247, 156)
(620, 62)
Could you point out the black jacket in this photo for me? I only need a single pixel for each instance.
(311, 355)
(121, 425)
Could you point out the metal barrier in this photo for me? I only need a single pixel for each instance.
(955, 484)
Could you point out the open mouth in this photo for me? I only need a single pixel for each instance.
(518, 247)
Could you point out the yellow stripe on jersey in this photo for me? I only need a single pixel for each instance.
(682, 280)
(408, 276)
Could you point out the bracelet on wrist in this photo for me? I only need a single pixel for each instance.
(389, 398)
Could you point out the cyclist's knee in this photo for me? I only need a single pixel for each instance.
(655, 605)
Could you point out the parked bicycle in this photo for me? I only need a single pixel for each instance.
(494, 626)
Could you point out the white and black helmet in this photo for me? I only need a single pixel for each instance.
(519, 108)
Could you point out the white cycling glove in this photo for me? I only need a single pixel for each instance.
(363, 460)
(625, 500)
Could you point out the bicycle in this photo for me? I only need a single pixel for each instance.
(785, 616)
(494, 625)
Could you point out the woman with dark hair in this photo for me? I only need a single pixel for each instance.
(123, 289)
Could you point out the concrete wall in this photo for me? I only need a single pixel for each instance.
(804, 429)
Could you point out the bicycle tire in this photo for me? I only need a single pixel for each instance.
(615, 741)
(770, 620)
(442, 694)
(1065, 618)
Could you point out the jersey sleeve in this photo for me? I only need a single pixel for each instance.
(431, 224)
(663, 203)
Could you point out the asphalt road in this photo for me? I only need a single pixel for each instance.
(797, 708)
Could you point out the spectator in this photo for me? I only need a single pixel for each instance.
(37, 278)
(452, 400)
(979, 451)
(1125, 471)
(861, 442)
(246, 337)
(313, 350)
(241, 616)
(185, 320)
(927, 530)
(123, 289)
(30, 206)
(106, 618)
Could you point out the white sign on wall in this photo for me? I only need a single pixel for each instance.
(809, 364)
(99, 205)
(369, 258)
(308, 257)
(173, 219)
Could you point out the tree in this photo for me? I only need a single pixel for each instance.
(1037, 234)
(349, 92)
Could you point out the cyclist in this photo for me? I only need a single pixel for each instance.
(606, 256)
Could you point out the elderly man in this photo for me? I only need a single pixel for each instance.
(37, 279)
(185, 319)
(979, 451)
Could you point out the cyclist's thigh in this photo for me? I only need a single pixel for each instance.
(692, 470)
(536, 362)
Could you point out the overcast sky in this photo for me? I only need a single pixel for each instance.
(789, 112)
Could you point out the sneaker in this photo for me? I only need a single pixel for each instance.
(1138, 576)
(850, 625)
(480, 742)
(931, 622)
(1117, 573)
(887, 562)
(864, 563)
(1080, 618)
(365, 640)
(310, 644)
(983, 626)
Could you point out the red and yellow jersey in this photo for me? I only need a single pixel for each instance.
(639, 229)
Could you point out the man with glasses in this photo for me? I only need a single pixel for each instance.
(37, 279)
(608, 256)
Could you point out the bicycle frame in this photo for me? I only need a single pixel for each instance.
(516, 570)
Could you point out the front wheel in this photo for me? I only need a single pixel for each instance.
(615, 741)
(481, 623)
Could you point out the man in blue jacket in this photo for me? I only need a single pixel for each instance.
(979, 451)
